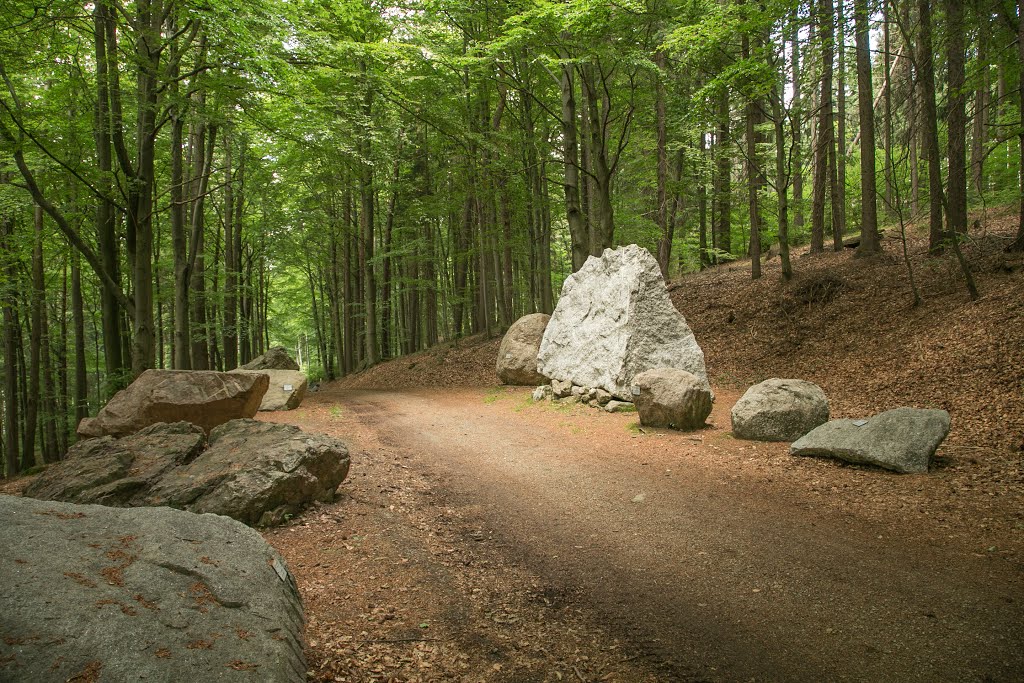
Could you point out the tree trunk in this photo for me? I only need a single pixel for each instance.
(105, 229)
(839, 185)
(930, 132)
(869, 243)
(570, 159)
(78, 322)
(702, 204)
(956, 119)
(781, 184)
(890, 171)
(229, 337)
(824, 147)
(723, 178)
(11, 334)
(1018, 243)
(661, 209)
(797, 117)
(754, 177)
(366, 204)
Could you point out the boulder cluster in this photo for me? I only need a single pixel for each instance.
(616, 342)
(148, 591)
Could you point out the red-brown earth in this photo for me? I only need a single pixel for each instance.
(482, 537)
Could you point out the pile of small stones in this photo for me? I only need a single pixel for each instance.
(566, 392)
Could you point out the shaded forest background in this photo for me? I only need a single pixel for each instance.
(184, 183)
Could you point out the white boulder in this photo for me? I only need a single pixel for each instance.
(614, 320)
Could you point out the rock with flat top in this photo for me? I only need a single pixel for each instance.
(779, 410)
(95, 593)
(614, 320)
(669, 397)
(204, 398)
(517, 355)
(276, 358)
(902, 440)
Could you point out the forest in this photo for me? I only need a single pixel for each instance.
(186, 182)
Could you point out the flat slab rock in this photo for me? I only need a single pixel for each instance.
(276, 358)
(93, 593)
(204, 398)
(902, 440)
(614, 320)
(258, 473)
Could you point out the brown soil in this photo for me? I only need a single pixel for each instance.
(481, 537)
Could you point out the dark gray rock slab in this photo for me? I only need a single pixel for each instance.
(95, 593)
(902, 440)
(258, 473)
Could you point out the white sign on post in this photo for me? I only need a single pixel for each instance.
(287, 387)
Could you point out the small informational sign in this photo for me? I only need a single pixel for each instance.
(859, 423)
(287, 387)
(636, 389)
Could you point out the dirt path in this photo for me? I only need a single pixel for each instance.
(482, 537)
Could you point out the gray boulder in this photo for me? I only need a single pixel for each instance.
(903, 440)
(204, 398)
(614, 320)
(258, 473)
(543, 393)
(517, 355)
(779, 410)
(276, 358)
(94, 593)
(285, 391)
(668, 397)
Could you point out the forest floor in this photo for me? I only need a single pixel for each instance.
(482, 537)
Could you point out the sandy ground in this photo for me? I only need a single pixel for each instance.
(482, 537)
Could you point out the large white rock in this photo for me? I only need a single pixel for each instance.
(285, 391)
(613, 321)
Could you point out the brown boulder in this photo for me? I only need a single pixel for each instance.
(204, 398)
(276, 358)
(517, 356)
